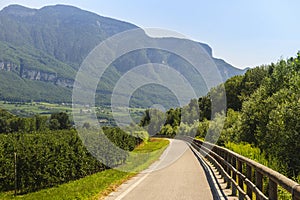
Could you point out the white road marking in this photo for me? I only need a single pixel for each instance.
(147, 171)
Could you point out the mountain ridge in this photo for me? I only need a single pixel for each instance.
(56, 40)
(47, 29)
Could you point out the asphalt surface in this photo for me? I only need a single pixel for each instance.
(177, 175)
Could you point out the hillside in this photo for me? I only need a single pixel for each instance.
(65, 32)
(44, 48)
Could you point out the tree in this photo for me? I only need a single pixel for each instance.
(282, 134)
(54, 124)
(233, 92)
(215, 129)
(173, 117)
(167, 130)
(254, 116)
(252, 80)
(41, 122)
(4, 126)
(63, 121)
(204, 108)
(153, 120)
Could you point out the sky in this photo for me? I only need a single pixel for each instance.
(243, 33)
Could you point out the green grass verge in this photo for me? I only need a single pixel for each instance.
(144, 155)
(100, 184)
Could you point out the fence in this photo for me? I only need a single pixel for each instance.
(246, 177)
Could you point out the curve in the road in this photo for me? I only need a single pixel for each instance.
(177, 175)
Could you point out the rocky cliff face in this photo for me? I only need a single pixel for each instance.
(64, 82)
(36, 75)
(9, 66)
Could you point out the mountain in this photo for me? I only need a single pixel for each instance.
(41, 50)
(65, 32)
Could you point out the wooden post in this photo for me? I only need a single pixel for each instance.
(259, 180)
(228, 159)
(241, 197)
(272, 190)
(228, 170)
(15, 174)
(295, 196)
(234, 190)
(241, 185)
(249, 176)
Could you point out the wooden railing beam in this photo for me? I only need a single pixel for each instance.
(230, 165)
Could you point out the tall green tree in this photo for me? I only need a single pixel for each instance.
(60, 121)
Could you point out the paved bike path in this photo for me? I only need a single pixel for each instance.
(177, 175)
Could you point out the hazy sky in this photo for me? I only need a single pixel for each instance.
(244, 33)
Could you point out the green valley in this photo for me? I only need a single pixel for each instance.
(85, 105)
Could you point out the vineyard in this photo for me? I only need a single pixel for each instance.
(35, 158)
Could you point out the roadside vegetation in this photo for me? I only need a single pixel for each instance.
(100, 184)
(263, 111)
(41, 152)
(254, 153)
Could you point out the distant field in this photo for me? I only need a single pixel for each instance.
(45, 109)
(30, 109)
(100, 184)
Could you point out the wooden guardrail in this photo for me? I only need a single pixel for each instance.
(244, 176)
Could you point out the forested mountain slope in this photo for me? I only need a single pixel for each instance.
(48, 45)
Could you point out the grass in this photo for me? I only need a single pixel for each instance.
(154, 145)
(99, 185)
(144, 155)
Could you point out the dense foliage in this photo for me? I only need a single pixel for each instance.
(44, 159)
(48, 157)
(263, 109)
(12, 124)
